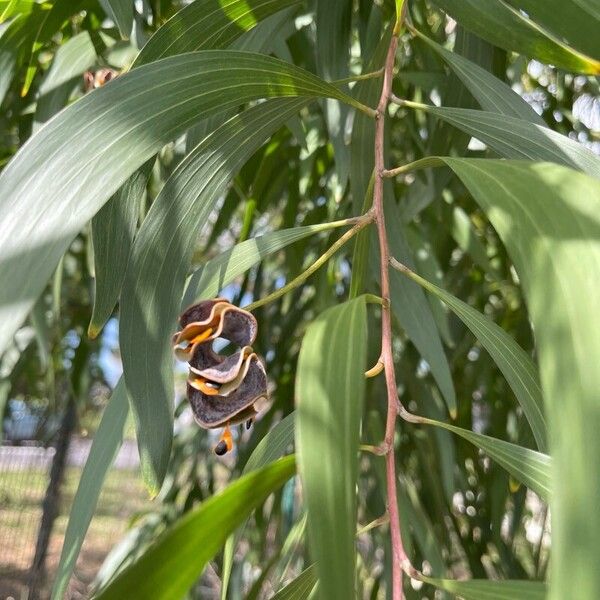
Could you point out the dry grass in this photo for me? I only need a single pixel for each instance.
(21, 495)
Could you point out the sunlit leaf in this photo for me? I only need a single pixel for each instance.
(137, 112)
(174, 562)
(330, 387)
(506, 27)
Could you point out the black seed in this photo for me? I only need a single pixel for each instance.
(248, 423)
(221, 448)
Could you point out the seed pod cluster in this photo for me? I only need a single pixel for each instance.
(222, 390)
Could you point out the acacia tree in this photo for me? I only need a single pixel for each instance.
(223, 158)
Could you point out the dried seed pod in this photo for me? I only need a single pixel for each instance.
(212, 411)
(213, 319)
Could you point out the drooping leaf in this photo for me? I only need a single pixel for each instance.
(492, 94)
(206, 281)
(105, 446)
(207, 24)
(518, 368)
(412, 310)
(155, 104)
(514, 138)
(333, 54)
(270, 448)
(484, 589)
(548, 218)
(174, 562)
(299, 588)
(532, 468)
(330, 388)
(113, 230)
(52, 21)
(70, 61)
(159, 262)
(507, 28)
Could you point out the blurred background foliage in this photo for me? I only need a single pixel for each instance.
(462, 515)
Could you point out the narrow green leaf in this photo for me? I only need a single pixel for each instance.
(270, 448)
(8, 8)
(159, 262)
(48, 192)
(173, 563)
(467, 239)
(514, 138)
(206, 281)
(412, 310)
(207, 24)
(518, 368)
(507, 28)
(548, 217)
(299, 588)
(569, 20)
(527, 466)
(70, 61)
(113, 230)
(121, 12)
(492, 94)
(333, 56)
(330, 387)
(104, 448)
(491, 590)
(52, 21)
(14, 40)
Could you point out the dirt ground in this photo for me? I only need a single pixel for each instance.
(21, 495)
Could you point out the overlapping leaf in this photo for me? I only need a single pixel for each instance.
(125, 123)
(515, 364)
(159, 261)
(514, 138)
(299, 588)
(207, 24)
(548, 218)
(330, 389)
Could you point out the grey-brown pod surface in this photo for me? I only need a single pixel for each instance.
(222, 390)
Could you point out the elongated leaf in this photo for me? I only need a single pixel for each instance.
(121, 12)
(207, 24)
(491, 590)
(518, 368)
(270, 448)
(568, 20)
(492, 94)
(508, 28)
(48, 191)
(548, 217)
(13, 43)
(206, 281)
(174, 562)
(527, 466)
(330, 388)
(412, 310)
(159, 261)
(8, 8)
(113, 230)
(70, 61)
(299, 588)
(104, 448)
(51, 22)
(333, 55)
(514, 138)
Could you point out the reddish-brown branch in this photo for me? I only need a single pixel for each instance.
(399, 558)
